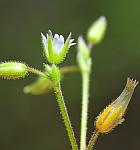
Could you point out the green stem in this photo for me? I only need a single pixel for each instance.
(69, 69)
(65, 116)
(84, 113)
(37, 72)
(93, 140)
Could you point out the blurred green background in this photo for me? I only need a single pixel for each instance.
(33, 122)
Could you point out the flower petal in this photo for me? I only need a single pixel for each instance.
(58, 43)
(55, 42)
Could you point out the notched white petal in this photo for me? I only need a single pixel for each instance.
(56, 37)
(62, 39)
(58, 43)
(55, 42)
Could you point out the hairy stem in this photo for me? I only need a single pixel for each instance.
(84, 113)
(69, 69)
(37, 72)
(85, 71)
(93, 140)
(65, 116)
(66, 69)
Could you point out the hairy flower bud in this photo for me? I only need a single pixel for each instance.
(13, 70)
(97, 30)
(83, 55)
(113, 114)
(40, 86)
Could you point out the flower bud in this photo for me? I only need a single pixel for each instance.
(97, 30)
(83, 55)
(113, 114)
(40, 86)
(44, 85)
(13, 70)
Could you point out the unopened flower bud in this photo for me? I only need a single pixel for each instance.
(13, 70)
(40, 86)
(83, 55)
(113, 114)
(97, 30)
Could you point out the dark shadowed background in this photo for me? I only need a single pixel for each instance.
(33, 122)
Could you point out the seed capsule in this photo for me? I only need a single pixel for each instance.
(113, 114)
(13, 70)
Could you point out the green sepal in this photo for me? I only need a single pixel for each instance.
(53, 73)
(61, 56)
(51, 54)
(48, 48)
(43, 43)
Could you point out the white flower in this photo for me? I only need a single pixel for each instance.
(57, 42)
